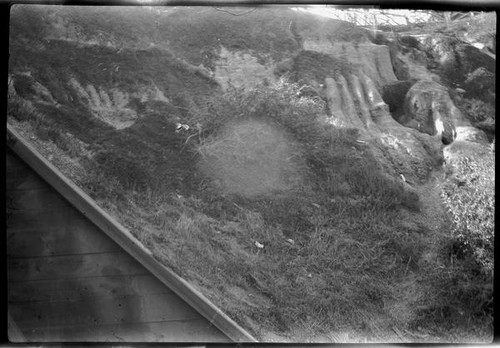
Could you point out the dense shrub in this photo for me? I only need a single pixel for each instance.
(24, 86)
(125, 169)
(470, 198)
(476, 110)
(21, 109)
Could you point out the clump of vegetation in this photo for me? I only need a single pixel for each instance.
(466, 283)
(477, 110)
(481, 114)
(100, 186)
(471, 201)
(20, 108)
(23, 110)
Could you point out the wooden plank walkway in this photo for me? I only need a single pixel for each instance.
(75, 274)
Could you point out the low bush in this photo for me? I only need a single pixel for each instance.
(125, 169)
(467, 283)
(22, 109)
(470, 198)
(100, 186)
(476, 110)
(66, 143)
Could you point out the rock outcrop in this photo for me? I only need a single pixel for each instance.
(373, 60)
(355, 102)
(480, 84)
(429, 109)
(394, 94)
(457, 59)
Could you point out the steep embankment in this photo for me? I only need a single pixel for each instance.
(293, 206)
(95, 80)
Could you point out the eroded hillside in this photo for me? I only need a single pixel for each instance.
(285, 164)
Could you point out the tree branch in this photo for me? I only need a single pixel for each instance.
(235, 14)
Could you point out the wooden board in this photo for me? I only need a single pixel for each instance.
(21, 179)
(196, 330)
(72, 266)
(84, 288)
(80, 237)
(20, 220)
(40, 199)
(101, 311)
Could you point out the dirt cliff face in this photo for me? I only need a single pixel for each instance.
(350, 74)
(427, 104)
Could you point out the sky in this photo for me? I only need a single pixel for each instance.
(389, 16)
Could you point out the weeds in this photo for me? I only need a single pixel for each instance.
(477, 110)
(22, 109)
(471, 201)
(99, 186)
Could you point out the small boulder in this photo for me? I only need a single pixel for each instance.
(394, 93)
(409, 41)
(457, 59)
(428, 108)
(471, 134)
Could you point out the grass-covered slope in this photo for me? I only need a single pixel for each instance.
(291, 226)
(295, 261)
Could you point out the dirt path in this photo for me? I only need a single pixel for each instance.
(433, 209)
(435, 218)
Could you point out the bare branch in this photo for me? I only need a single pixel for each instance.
(236, 14)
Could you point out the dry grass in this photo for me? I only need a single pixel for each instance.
(252, 159)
